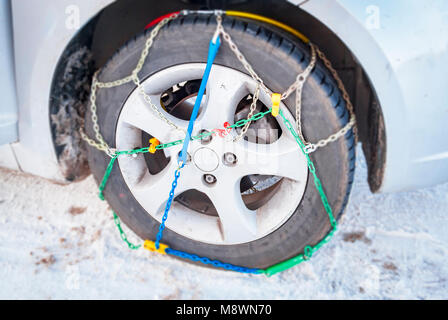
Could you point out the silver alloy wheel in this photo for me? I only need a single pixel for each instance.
(235, 223)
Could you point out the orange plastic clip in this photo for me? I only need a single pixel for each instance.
(153, 144)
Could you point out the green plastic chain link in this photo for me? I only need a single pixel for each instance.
(123, 234)
(308, 250)
(237, 124)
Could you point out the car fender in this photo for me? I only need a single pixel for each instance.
(406, 61)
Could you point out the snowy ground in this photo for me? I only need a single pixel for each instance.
(59, 242)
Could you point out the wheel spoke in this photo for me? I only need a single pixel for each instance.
(152, 191)
(277, 159)
(140, 115)
(223, 93)
(239, 224)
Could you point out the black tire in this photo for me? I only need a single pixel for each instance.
(277, 57)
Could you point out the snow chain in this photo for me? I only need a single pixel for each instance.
(305, 147)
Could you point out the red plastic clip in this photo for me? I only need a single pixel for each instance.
(220, 132)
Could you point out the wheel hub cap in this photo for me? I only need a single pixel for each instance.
(205, 159)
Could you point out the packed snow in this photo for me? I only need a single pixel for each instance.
(60, 242)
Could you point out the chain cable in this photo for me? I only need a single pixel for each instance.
(296, 87)
(253, 107)
(100, 142)
(306, 147)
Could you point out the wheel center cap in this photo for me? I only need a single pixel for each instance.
(206, 159)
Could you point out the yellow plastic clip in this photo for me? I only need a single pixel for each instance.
(151, 246)
(276, 98)
(153, 144)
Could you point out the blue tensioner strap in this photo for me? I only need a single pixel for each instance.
(212, 51)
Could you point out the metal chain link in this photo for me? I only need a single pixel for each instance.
(100, 143)
(141, 62)
(300, 81)
(92, 142)
(301, 77)
(253, 107)
(352, 122)
(239, 55)
(148, 100)
(297, 86)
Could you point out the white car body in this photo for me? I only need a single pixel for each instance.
(401, 45)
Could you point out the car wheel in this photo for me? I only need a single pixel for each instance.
(251, 202)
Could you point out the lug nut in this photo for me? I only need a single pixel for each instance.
(209, 178)
(206, 139)
(229, 159)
